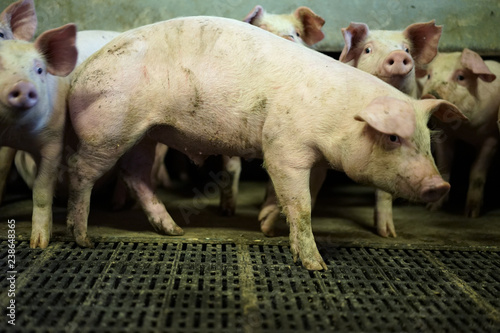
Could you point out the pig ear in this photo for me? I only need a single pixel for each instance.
(255, 14)
(59, 49)
(389, 115)
(441, 109)
(21, 18)
(424, 38)
(312, 25)
(473, 62)
(354, 34)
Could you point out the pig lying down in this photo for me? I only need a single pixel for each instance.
(206, 98)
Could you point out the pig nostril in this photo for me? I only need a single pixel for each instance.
(32, 95)
(14, 94)
(391, 62)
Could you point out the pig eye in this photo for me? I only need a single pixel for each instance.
(407, 50)
(368, 50)
(460, 77)
(2, 35)
(297, 34)
(428, 76)
(394, 138)
(39, 70)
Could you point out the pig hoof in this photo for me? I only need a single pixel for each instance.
(435, 206)
(386, 230)
(472, 212)
(314, 265)
(176, 231)
(268, 218)
(227, 210)
(39, 240)
(84, 242)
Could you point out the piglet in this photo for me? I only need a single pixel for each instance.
(203, 98)
(17, 21)
(465, 79)
(392, 56)
(33, 111)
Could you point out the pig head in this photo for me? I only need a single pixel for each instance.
(392, 56)
(302, 26)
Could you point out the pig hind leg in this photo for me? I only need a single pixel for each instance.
(86, 166)
(477, 177)
(136, 166)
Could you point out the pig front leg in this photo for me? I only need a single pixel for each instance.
(136, 168)
(291, 184)
(43, 193)
(229, 189)
(269, 215)
(477, 178)
(383, 214)
(6, 158)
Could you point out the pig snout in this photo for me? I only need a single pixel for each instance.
(433, 189)
(397, 63)
(22, 95)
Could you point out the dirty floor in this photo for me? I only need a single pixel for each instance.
(440, 274)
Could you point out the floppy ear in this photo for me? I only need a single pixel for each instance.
(389, 115)
(424, 38)
(59, 49)
(255, 14)
(354, 34)
(21, 18)
(441, 109)
(473, 62)
(312, 25)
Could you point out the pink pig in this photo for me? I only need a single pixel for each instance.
(303, 26)
(203, 98)
(17, 21)
(463, 78)
(33, 112)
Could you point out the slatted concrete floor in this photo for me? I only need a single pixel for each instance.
(442, 275)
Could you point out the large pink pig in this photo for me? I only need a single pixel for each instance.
(204, 98)
(33, 112)
(17, 21)
(464, 79)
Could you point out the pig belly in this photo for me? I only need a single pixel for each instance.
(199, 138)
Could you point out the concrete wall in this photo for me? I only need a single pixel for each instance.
(467, 23)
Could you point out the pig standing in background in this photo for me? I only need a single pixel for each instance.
(394, 57)
(203, 98)
(17, 21)
(303, 26)
(463, 78)
(33, 111)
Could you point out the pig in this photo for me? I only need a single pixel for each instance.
(17, 21)
(203, 98)
(303, 26)
(465, 79)
(33, 112)
(394, 57)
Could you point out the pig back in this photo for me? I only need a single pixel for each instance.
(209, 80)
